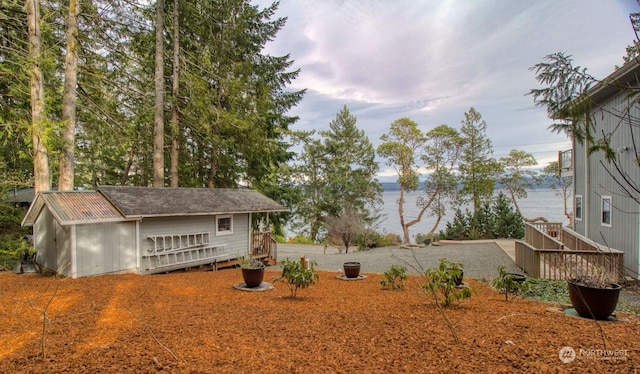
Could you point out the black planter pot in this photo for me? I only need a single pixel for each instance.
(458, 280)
(591, 302)
(351, 269)
(517, 277)
(253, 277)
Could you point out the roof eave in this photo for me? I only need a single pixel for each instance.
(141, 216)
(89, 222)
(32, 213)
(624, 77)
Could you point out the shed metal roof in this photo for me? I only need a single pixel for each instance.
(73, 207)
(158, 202)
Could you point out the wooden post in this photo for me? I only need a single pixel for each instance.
(536, 264)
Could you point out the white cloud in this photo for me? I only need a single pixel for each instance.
(433, 60)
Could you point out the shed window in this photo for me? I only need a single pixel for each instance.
(606, 211)
(224, 225)
(578, 205)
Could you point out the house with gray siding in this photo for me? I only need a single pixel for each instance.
(606, 191)
(144, 230)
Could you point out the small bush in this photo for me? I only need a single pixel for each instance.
(10, 250)
(388, 240)
(373, 239)
(301, 239)
(367, 239)
(421, 238)
(499, 220)
(279, 238)
(505, 283)
(394, 277)
(441, 281)
(296, 276)
(508, 222)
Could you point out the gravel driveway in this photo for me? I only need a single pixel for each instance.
(480, 260)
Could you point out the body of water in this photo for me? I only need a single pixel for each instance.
(539, 203)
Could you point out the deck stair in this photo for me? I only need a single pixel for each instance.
(179, 251)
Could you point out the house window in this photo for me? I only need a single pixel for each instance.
(578, 214)
(224, 225)
(606, 211)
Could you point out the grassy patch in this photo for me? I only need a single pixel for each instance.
(555, 291)
(546, 290)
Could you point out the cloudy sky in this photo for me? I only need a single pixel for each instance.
(432, 60)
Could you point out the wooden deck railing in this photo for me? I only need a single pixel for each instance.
(564, 160)
(543, 235)
(263, 245)
(542, 256)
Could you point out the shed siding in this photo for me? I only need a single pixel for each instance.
(51, 243)
(237, 244)
(45, 240)
(625, 218)
(63, 249)
(105, 248)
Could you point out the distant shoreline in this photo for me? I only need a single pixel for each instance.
(395, 186)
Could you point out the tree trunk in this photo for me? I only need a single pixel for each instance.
(515, 202)
(41, 180)
(69, 97)
(175, 134)
(158, 121)
(420, 214)
(435, 225)
(405, 228)
(127, 168)
(213, 169)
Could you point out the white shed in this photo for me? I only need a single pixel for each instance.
(144, 230)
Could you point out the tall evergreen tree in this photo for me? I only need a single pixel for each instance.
(349, 159)
(235, 115)
(175, 89)
(158, 120)
(478, 170)
(69, 100)
(230, 105)
(337, 170)
(39, 124)
(310, 174)
(15, 103)
(518, 175)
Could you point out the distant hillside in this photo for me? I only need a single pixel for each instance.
(394, 186)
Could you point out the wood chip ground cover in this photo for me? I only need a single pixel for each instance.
(196, 322)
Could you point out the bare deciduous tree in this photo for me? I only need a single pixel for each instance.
(345, 226)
